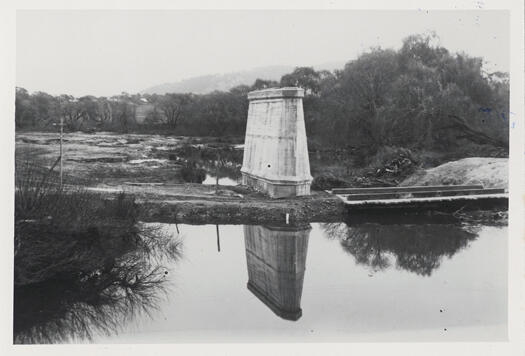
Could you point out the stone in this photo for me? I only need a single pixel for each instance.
(275, 158)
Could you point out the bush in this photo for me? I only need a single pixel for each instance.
(328, 181)
(56, 227)
(75, 282)
(393, 162)
(82, 261)
(39, 196)
(192, 173)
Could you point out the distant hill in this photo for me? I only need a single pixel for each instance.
(224, 82)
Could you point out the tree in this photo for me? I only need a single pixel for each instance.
(123, 114)
(219, 111)
(44, 109)
(365, 85)
(304, 77)
(104, 112)
(24, 112)
(173, 107)
(71, 111)
(264, 84)
(89, 105)
(240, 90)
(419, 97)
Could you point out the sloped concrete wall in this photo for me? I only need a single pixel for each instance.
(275, 150)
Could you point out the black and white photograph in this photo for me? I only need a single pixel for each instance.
(267, 175)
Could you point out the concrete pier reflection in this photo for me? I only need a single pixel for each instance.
(276, 258)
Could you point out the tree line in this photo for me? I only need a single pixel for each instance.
(420, 97)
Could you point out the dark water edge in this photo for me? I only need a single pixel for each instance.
(313, 209)
(256, 257)
(316, 208)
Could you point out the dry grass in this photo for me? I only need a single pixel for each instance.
(83, 263)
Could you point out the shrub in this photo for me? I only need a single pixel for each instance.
(83, 261)
(393, 162)
(192, 173)
(56, 228)
(328, 181)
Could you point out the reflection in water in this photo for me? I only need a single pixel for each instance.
(95, 299)
(340, 300)
(276, 258)
(418, 248)
(276, 255)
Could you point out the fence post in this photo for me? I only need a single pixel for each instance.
(61, 158)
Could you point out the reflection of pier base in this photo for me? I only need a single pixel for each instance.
(293, 314)
(276, 258)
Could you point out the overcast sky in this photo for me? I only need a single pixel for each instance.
(107, 52)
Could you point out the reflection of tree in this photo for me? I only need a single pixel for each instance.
(94, 297)
(416, 248)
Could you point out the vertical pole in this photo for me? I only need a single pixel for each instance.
(217, 175)
(61, 159)
(218, 240)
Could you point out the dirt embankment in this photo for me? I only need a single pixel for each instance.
(149, 166)
(489, 172)
(200, 204)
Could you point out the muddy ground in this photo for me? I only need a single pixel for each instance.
(201, 204)
(105, 158)
(148, 166)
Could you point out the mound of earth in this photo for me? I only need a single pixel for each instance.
(489, 172)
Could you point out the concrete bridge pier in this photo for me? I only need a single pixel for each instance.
(275, 149)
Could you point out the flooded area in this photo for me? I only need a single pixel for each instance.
(107, 158)
(211, 180)
(315, 282)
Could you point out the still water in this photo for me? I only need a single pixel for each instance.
(326, 282)
(212, 180)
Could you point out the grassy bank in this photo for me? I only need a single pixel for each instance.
(81, 261)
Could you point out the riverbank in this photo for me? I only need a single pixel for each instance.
(151, 167)
(199, 204)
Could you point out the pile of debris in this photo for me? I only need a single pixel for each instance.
(387, 168)
(328, 181)
(396, 170)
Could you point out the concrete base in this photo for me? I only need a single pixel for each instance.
(277, 189)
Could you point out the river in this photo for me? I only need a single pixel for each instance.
(321, 282)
